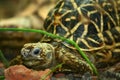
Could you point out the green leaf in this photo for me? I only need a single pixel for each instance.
(4, 60)
(2, 77)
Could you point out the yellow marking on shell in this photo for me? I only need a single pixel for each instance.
(117, 8)
(67, 34)
(110, 36)
(91, 48)
(85, 5)
(74, 4)
(54, 31)
(110, 10)
(86, 43)
(100, 35)
(115, 36)
(73, 17)
(75, 27)
(117, 28)
(79, 11)
(91, 39)
(67, 19)
(92, 12)
(71, 37)
(85, 31)
(64, 27)
(109, 26)
(116, 50)
(50, 25)
(96, 26)
(106, 3)
(60, 8)
(96, 19)
(68, 11)
(58, 21)
(105, 12)
(83, 19)
(101, 22)
(117, 44)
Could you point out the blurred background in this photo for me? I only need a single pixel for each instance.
(10, 8)
(12, 42)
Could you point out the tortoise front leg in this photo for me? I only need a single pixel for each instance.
(73, 62)
(16, 61)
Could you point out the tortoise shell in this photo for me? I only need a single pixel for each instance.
(92, 24)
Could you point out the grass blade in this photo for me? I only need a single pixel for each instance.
(4, 60)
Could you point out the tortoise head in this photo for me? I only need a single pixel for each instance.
(38, 55)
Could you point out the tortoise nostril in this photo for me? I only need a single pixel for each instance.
(25, 52)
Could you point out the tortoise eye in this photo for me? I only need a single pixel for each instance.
(36, 51)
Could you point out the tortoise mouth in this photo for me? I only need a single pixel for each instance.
(33, 59)
(33, 63)
(37, 64)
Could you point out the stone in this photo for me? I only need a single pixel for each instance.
(20, 72)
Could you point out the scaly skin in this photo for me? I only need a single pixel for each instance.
(44, 55)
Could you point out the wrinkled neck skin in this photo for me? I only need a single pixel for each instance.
(61, 49)
(71, 59)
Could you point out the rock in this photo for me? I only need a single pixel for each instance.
(20, 72)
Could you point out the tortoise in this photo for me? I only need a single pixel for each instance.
(92, 24)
